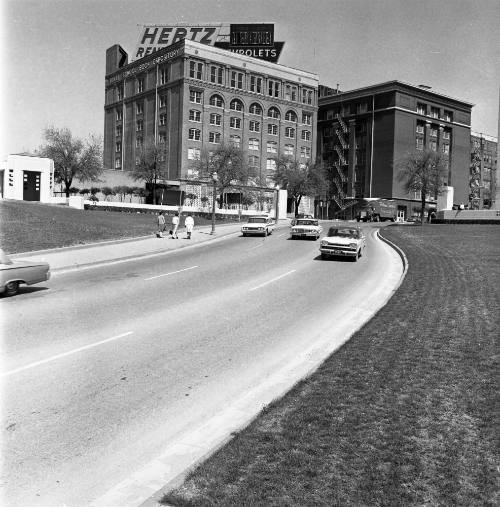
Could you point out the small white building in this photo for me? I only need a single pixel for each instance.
(27, 178)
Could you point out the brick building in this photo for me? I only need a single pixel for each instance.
(483, 170)
(189, 96)
(363, 132)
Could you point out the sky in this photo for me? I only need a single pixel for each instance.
(53, 51)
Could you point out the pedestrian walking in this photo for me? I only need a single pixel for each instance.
(161, 225)
(189, 224)
(175, 224)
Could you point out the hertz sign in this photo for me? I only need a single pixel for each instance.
(255, 40)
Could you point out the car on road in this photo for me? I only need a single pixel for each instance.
(306, 228)
(258, 225)
(16, 272)
(343, 241)
(301, 215)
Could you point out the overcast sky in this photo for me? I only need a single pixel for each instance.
(53, 51)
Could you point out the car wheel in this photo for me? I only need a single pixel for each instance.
(244, 234)
(11, 288)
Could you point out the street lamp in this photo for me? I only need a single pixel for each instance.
(277, 203)
(214, 178)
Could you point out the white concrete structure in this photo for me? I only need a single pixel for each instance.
(445, 199)
(28, 178)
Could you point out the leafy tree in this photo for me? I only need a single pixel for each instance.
(299, 179)
(190, 198)
(73, 157)
(152, 165)
(140, 193)
(423, 171)
(228, 162)
(204, 200)
(107, 191)
(120, 190)
(94, 190)
(85, 191)
(129, 191)
(74, 190)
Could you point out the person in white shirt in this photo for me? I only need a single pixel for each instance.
(175, 223)
(189, 224)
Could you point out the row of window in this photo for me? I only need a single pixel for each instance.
(195, 134)
(434, 112)
(254, 160)
(432, 145)
(433, 131)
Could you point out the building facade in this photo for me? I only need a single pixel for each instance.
(190, 96)
(363, 132)
(483, 168)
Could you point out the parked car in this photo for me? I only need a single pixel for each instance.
(306, 228)
(343, 241)
(15, 272)
(260, 225)
(301, 215)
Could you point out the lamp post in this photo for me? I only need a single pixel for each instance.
(214, 178)
(277, 203)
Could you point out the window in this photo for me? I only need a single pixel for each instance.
(139, 142)
(253, 161)
(271, 164)
(290, 132)
(433, 145)
(254, 126)
(216, 100)
(446, 134)
(194, 115)
(140, 85)
(163, 100)
(419, 143)
(307, 118)
(306, 135)
(421, 108)
(216, 74)
(118, 131)
(163, 119)
(214, 137)
(273, 88)
(433, 132)
(255, 109)
(256, 84)
(119, 115)
(305, 152)
(194, 97)
(307, 96)
(215, 119)
(446, 149)
(236, 105)
(274, 113)
(288, 149)
(139, 108)
(420, 128)
(139, 125)
(235, 123)
(290, 116)
(272, 147)
(435, 112)
(119, 92)
(195, 70)
(118, 162)
(253, 144)
(194, 134)
(272, 129)
(118, 146)
(448, 115)
(194, 153)
(163, 75)
(162, 137)
(237, 80)
(235, 141)
(291, 92)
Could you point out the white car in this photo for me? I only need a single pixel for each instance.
(15, 272)
(258, 225)
(306, 228)
(343, 241)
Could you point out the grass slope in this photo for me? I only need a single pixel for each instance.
(405, 413)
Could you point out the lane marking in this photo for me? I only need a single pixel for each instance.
(65, 354)
(171, 273)
(257, 246)
(273, 280)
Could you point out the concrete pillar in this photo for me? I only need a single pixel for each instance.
(445, 199)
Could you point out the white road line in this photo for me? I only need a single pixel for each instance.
(64, 354)
(272, 280)
(171, 273)
(257, 246)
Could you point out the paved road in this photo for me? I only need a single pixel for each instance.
(109, 366)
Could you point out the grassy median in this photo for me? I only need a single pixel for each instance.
(28, 226)
(405, 413)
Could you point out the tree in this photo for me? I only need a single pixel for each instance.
(423, 171)
(228, 162)
(73, 157)
(299, 179)
(151, 165)
(107, 191)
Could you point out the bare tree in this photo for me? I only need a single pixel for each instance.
(73, 157)
(423, 171)
(151, 166)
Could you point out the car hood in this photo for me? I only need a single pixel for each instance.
(19, 263)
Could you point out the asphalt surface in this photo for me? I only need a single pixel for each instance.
(156, 353)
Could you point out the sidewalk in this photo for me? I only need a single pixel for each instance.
(84, 256)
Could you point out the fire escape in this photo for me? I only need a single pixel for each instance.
(341, 147)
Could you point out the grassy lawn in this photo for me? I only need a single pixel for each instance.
(28, 226)
(405, 413)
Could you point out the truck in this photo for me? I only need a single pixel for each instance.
(376, 210)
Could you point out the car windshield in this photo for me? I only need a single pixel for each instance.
(307, 222)
(257, 220)
(343, 233)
